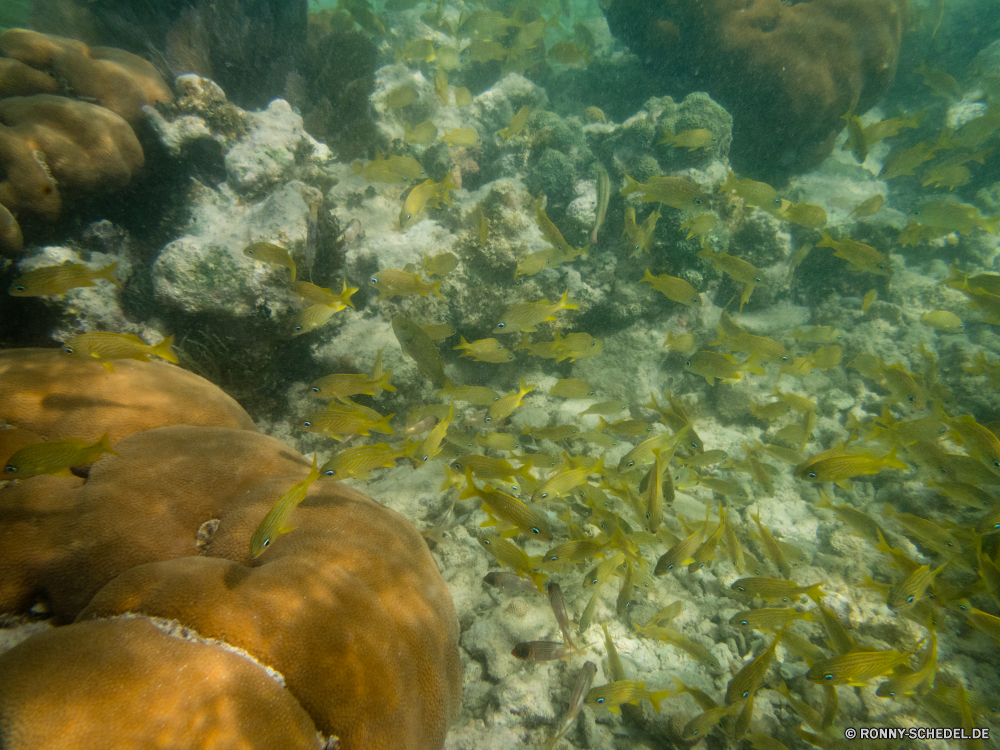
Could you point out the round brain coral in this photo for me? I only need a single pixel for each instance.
(110, 673)
(59, 396)
(786, 72)
(349, 606)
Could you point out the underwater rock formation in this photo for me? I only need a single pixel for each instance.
(786, 72)
(349, 608)
(55, 148)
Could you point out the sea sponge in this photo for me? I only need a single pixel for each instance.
(349, 606)
(786, 72)
(57, 396)
(97, 684)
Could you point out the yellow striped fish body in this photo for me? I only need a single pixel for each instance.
(504, 407)
(768, 619)
(276, 520)
(311, 318)
(775, 589)
(576, 551)
(612, 695)
(340, 424)
(273, 255)
(55, 458)
(358, 462)
(856, 667)
(348, 384)
(748, 679)
(526, 316)
(705, 722)
(603, 572)
(60, 279)
(509, 555)
(471, 394)
(564, 481)
(507, 508)
(105, 347)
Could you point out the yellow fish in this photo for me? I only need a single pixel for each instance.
(675, 192)
(868, 206)
(358, 462)
(463, 97)
(448, 58)
(509, 555)
(748, 679)
(700, 226)
(105, 347)
(776, 589)
(461, 137)
(816, 335)
(856, 667)
(905, 161)
(689, 139)
(517, 123)
(681, 342)
(421, 134)
(769, 619)
(482, 51)
(758, 194)
(320, 295)
(806, 215)
(416, 50)
(476, 395)
(393, 170)
(725, 367)
(950, 176)
(276, 520)
(735, 268)
(504, 407)
(426, 193)
(341, 385)
(860, 256)
(869, 299)
(401, 96)
(939, 82)
(392, 282)
(439, 265)
(526, 316)
(485, 350)
(339, 421)
(60, 279)
(942, 320)
(879, 131)
(641, 236)
(612, 695)
(55, 458)
(954, 217)
(441, 84)
(569, 53)
(981, 443)
(840, 466)
(271, 254)
(572, 388)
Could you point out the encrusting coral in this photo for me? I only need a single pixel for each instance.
(786, 72)
(349, 606)
(111, 672)
(52, 146)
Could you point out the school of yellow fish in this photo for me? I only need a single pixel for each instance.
(559, 514)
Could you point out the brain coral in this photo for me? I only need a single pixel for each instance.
(53, 146)
(111, 672)
(349, 607)
(786, 72)
(59, 396)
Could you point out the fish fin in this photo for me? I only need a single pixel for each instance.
(286, 529)
(436, 286)
(845, 484)
(815, 592)
(538, 578)
(104, 446)
(615, 709)
(108, 273)
(108, 366)
(165, 350)
(383, 425)
(383, 382)
(658, 696)
(565, 303)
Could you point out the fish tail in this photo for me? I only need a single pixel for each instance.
(165, 350)
(384, 384)
(436, 288)
(893, 461)
(827, 240)
(815, 592)
(538, 578)
(706, 251)
(752, 364)
(730, 182)
(648, 277)
(104, 446)
(658, 696)
(356, 168)
(383, 425)
(565, 303)
(314, 473)
(108, 273)
(631, 186)
(462, 344)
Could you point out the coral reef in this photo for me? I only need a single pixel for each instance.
(57, 396)
(786, 72)
(54, 148)
(109, 673)
(349, 608)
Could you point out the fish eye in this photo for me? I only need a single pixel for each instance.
(745, 693)
(535, 531)
(249, 251)
(741, 589)
(501, 325)
(812, 474)
(636, 247)
(697, 201)
(297, 328)
(488, 419)
(545, 495)
(329, 472)
(688, 363)
(314, 389)
(828, 677)
(510, 357)
(553, 558)
(757, 279)
(600, 700)
(307, 424)
(996, 464)
(881, 266)
(266, 543)
(910, 600)
(373, 280)
(68, 349)
(19, 288)
(784, 359)
(911, 399)
(10, 467)
(744, 622)
(631, 464)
